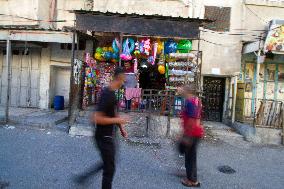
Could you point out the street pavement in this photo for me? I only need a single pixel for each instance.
(48, 159)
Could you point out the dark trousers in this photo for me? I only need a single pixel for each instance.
(191, 159)
(106, 146)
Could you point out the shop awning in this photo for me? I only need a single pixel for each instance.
(135, 24)
(252, 47)
(35, 35)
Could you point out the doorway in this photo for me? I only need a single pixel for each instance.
(25, 73)
(213, 98)
(60, 83)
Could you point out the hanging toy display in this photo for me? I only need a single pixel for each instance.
(160, 48)
(130, 43)
(137, 51)
(135, 61)
(170, 46)
(161, 69)
(167, 71)
(161, 60)
(99, 54)
(184, 46)
(151, 60)
(154, 53)
(126, 56)
(107, 55)
(141, 46)
(147, 46)
(115, 45)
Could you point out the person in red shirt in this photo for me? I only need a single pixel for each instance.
(192, 133)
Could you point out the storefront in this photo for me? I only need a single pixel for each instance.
(157, 53)
(261, 85)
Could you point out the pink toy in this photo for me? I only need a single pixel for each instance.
(155, 49)
(135, 65)
(126, 52)
(147, 46)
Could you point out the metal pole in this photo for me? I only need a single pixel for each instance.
(120, 48)
(71, 95)
(282, 124)
(256, 86)
(8, 73)
(234, 99)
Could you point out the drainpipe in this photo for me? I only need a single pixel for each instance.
(255, 90)
(72, 94)
(234, 99)
(282, 127)
(8, 74)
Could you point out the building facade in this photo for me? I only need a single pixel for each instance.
(41, 53)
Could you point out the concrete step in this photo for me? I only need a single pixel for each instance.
(41, 120)
(81, 130)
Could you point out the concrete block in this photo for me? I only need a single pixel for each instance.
(269, 136)
(78, 130)
(246, 130)
(175, 127)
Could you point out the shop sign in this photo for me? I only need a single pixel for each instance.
(275, 38)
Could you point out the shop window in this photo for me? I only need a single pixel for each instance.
(221, 17)
(271, 72)
(249, 72)
(261, 72)
(281, 73)
(68, 46)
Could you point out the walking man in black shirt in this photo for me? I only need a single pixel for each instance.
(106, 120)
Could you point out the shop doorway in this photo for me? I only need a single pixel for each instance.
(213, 98)
(150, 78)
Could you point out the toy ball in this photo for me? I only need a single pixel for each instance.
(170, 46)
(108, 55)
(125, 57)
(110, 49)
(99, 50)
(184, 46)
(161, 69)
(160, 47)
(136, 52)
(115, 56)
(98, 56)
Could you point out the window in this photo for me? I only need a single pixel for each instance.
(221, 17)
(68, 46)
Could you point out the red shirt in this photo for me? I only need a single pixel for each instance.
(191, 118)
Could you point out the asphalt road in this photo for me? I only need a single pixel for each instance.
(31, 159)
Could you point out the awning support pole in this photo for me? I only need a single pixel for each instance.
(71, 94)
(8, 74)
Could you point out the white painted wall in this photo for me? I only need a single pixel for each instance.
(18, 9)
(166, 8)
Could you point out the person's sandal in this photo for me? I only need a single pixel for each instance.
(188, 183)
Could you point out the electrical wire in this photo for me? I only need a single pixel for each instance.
(34, 20)
(255, 14)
